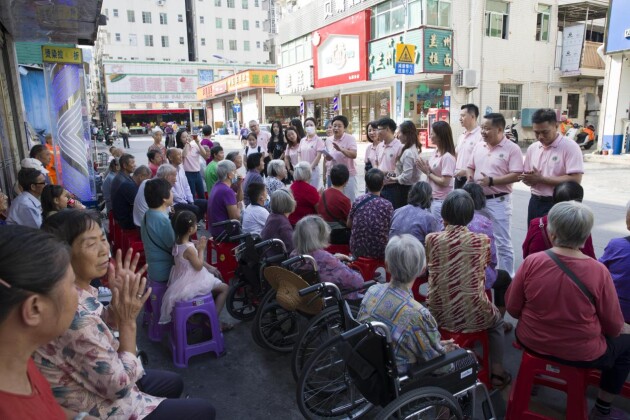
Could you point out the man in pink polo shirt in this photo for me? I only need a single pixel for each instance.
(341, 147)
(262, 136)
(466, 141)
(496, 164)
(553, 159)
(387, 152)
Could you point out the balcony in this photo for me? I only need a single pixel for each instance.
(590, 65)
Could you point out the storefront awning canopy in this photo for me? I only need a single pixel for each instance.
(581, 10)
(52, 21)
(154, 111)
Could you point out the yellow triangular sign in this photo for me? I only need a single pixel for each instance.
(405, 53)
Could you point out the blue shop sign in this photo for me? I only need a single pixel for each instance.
(618, 32)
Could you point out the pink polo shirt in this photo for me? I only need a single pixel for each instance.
(191, 161)
(386, 155)
(309, 148)
(500, 160)
(345, 142)
(562, 157)
(370, 155)
(442, 165)
(466, 142)
(292, 153)
(263, 138)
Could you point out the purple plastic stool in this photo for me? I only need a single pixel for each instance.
(156, 331)
(182, 311)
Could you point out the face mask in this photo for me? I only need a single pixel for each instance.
(310, 129)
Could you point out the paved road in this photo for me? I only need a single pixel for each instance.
(249, 382)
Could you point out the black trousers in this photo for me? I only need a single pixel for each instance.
(460, 181)
(538, 207)
(396, 194)
(125, 140)
(165, 384)
(500, 286)
(200, 207)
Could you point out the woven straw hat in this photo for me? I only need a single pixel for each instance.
(287, 284)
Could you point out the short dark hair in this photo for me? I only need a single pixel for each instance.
(254, 191)
(215, 150)
(420, 195)
(339, 174)
(311, 119)
(496, 119)
(68, 224)
(113, 163)
(28, 177)
(471, 109)
(388, 123)
(156, 190)
(36, 150)
(18, 245)
(568, 191)
(367, 128)
(151, 154)
(341, 118)
(182, 221)
(124, 159)
(253, 161)
(477, 195)
(544, 115)
(206, 130)
(374, 179)
(458, 208)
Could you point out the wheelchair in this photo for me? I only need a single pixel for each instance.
(249, 287)
(220, 252)
(354, 371)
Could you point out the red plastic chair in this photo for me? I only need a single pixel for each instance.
(129, 236)
(221, 256)
(367, 267)
(468, 341)
(415, 289)
(339, 249)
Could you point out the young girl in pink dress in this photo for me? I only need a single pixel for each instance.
(191, 276)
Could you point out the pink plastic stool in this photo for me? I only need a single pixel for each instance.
(152, 313)
(182, 351)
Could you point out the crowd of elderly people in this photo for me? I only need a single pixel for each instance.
(447, 236)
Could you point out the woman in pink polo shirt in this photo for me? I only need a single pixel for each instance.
(440, 167)
(310, 150)
(341, 147)
(291, 153)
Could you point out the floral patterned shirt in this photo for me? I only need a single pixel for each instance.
(86, 371)
(370, 226)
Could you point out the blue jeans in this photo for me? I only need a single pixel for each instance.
(196, 184)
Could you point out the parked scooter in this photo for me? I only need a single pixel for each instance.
(586, 137)
(510, 131)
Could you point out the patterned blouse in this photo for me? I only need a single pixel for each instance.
(370, 226)
(272, 183)
(457, 259)
(86, 371)
(415, 221)
(414, 330)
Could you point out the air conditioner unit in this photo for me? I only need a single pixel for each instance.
(467, 78)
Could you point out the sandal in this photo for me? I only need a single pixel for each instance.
(225, 327)
(507, 327)
(502, 381)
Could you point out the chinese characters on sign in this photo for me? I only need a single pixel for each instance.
(438, 50)
(54, 54)
(382, 54)
(243, 80)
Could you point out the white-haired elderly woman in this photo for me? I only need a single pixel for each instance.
(278, 226)
(305, 195)
(222, 204)
(414, 329)
(571, 314)
(416, 218)
(311, 236)
(617, 259)
(276, 172)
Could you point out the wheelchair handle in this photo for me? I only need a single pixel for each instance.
(301, 258)
(227, 222)
(239, 237)
(319, 287)
(361, 329)
(373, 326)
(269, 242)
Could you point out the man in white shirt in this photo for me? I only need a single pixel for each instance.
(466, 141)
(140, 206)
(255, 214)
(182, 196)
(26, 209)
(262, 136)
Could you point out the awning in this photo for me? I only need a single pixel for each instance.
(577, 11)
(154, 111)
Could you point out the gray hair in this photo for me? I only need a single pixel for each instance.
(458, 208)
(156, 133)
(570, 222)
(405, 258)
(275, 167)
(421, 195)
(302, 171)
(282, 201)
(311, 233)
(165, 170)
(224, 168)
(232, 155)
(142, 170)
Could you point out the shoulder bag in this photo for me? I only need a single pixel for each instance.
(339, 232)
(571, 275)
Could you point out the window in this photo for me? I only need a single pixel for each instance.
(203, 42)
(232, 45)
(245, 4)
(497, 19)
(217, 3)
(510, 98)
(180, 18)
(219, 44)
(231, 23)
(438, 12)
(542, 22)
(163, 19)
(246, 25)
(164, 41)
(146, 17)
(255, 3)
(257, 24)
(181, 40)
(218, 23)
(115, 11)
(131, 16)
(150, 59)
(166, 59)
(148, 40)
(201, 19)
(389, 17)
(117, 37)
(295, 51)
(230, 4)
(258, 44)
(106, 12)
(246, 45)
(133, 40)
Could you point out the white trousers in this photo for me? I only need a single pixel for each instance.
(499, 210)
(436, 209)
(316, 178)
(350, 190)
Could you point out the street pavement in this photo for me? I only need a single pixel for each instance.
(249, 382)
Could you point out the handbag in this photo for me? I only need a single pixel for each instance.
(339, 232)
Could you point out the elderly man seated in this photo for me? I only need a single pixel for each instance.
(26, 209)
(140, 206)
(125, 196)
(182, 194)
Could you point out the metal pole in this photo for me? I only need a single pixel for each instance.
(403, 98)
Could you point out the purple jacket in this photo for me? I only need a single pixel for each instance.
(278, 227)
(617, 259)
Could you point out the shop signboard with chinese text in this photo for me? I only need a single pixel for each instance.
(55, 54)
(296, 78)
(405, 58)
(243, 80)
(382, 54)
(438, 51)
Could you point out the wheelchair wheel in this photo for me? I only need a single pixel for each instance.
(319, 330)
(423, 403)
(240, 301)
(325, 389)
(274, 327)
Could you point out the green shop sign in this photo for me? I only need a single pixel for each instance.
(438, 51)
(382, 54)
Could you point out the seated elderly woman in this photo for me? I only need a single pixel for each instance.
(416, 218)
(305, 195)
(255, 214)
(414, 329)
(311, 236)
(278, 225)
(222, 199)
(498, 280)
(89, 368)
(457, 262)
(617, 259)
(276, 172)
(537, 238)
(568, 309)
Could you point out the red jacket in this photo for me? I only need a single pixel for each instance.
(306, 197)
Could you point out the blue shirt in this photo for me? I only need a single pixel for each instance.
(158, 239)
(25, 210)
(617, 259)
(415, 221)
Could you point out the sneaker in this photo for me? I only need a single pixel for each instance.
(615, 414)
